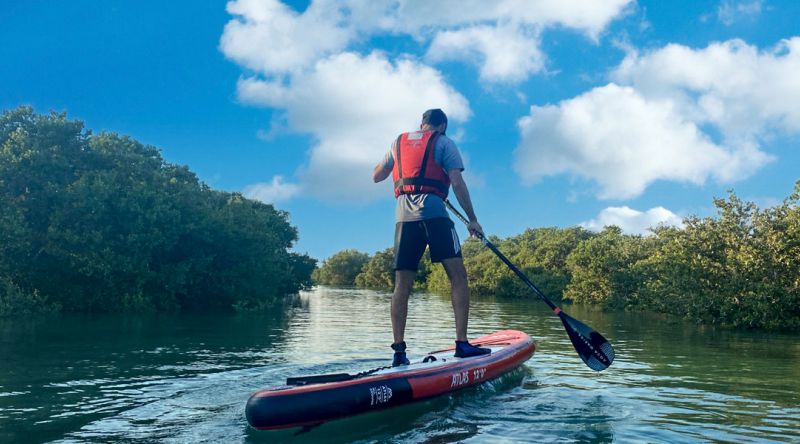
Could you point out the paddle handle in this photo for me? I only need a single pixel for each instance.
(505, 260)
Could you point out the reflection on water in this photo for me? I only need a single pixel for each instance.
(186, 378)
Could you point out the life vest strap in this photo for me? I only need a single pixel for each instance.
(429, 148)
(420, 181)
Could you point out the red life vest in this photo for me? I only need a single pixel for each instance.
(415, 169)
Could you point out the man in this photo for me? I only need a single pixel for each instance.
(423, 165)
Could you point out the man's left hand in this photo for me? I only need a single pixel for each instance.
(475, 228)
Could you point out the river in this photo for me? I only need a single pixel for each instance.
(186, 378)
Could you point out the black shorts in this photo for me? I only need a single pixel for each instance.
(411, 238)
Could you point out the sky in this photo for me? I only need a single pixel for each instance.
(567, 112)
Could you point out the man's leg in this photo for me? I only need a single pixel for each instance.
(454, 267)
(458, 281)
(409, 245)
(403, 283)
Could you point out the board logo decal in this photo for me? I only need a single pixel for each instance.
(380, 394)
(460, 378)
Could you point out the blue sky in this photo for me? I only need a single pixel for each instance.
(568, 112)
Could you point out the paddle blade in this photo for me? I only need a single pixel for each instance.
(591, 346)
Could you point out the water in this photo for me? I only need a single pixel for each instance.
(186, 378)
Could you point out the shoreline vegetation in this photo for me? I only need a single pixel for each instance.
(102, 223)
(740, 269)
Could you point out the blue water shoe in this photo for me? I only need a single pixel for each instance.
(399, 354)
(464, 350)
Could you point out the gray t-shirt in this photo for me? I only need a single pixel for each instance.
(413, 207)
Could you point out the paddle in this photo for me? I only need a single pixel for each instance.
(591, 346)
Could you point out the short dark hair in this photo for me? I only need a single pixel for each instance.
(434, 117)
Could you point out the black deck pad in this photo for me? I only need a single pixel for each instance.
(319, 379)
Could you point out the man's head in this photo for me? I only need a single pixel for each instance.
(435, 119)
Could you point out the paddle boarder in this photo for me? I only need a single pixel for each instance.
(424, 164)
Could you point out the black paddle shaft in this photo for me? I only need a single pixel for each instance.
(505, 260)
(591, 346)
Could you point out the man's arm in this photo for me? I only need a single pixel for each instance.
(384, 168)
(380, 172)
(462, 194)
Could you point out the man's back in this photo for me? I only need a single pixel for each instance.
(414, 207)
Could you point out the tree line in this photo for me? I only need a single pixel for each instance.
(740, 268)
(101, 223)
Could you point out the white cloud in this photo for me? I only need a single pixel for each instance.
(500, 37)
(586, 17)
(353, 126)
(729, 12)
(676, 114)
(624, 142)
(505, 53)
(731, 84)
(269, 37)
(273, 192)
(589, 17)
(631, 221)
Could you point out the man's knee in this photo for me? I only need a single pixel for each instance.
(459, 283)
(454, 267)
(404, 280)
